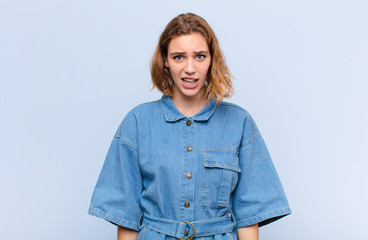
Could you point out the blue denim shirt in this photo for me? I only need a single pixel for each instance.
(169, 166)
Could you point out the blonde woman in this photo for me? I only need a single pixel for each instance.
(189, 165)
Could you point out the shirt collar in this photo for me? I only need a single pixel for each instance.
(172, 113)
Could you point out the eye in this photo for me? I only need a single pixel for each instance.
(178, 57)
(201, 57)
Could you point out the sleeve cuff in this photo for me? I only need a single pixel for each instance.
(265, 218)
(113, 219)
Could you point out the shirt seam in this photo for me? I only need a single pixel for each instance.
(263, 217)
(129, 144)
(91, 210)
(250, 141)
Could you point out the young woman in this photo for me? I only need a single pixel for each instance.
(189, 166)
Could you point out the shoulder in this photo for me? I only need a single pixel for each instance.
(145, 108)
(233, 109)
(131, 119)
(143, 111)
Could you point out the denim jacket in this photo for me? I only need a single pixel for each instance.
(165, 174)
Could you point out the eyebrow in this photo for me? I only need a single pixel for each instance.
(182, 53)
(177, 53)
(201, 52)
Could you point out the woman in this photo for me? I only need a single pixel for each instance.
(189, 165)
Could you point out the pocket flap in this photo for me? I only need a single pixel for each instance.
(226, 158)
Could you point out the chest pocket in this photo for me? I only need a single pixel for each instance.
(221, 168)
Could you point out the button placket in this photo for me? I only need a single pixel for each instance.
(187, 184)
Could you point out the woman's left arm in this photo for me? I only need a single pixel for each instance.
(248, 233)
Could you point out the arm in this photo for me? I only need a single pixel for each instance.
(126, 233)
(248, 233)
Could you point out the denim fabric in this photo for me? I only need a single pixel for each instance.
(154, 149)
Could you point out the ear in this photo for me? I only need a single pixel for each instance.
(166, 63)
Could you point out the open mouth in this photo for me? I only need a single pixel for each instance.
(189, 80)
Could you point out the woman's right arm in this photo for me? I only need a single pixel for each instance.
(126, 233)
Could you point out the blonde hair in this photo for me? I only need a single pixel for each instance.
(219, 77)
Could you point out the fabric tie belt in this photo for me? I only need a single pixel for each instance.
(189, 230)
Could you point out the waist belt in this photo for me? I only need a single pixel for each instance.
(189, 230)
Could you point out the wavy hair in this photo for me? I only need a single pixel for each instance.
(219, 77)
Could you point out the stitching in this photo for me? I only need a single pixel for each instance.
(223, 166)
(250, 141)
(255, 129)
(166, 117)
(211, 220)
(143, 233)
(204, 200)
(194, 155)
(212, 112)
(118, 132)
(163, 109)
(108, 214)
(204, 177)
(220, 149)
(260, 216)
(221, 190)
(182, 129)
(129, 144)
(214, 204)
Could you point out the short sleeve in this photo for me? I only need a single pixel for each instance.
(259, 196)
(116, 197)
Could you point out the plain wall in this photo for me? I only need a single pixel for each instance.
(71, 70)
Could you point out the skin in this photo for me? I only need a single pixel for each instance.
(126, 233)
(248, 233)
(189, 57)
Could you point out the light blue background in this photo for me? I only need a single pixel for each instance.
(71, 70)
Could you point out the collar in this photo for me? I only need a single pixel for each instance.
(173, 114)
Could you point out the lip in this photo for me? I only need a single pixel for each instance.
(190, 86)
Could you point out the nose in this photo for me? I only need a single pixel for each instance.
(189, 68)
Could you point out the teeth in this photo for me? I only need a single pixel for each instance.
(189, 80)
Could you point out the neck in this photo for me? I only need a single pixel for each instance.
(189, 106)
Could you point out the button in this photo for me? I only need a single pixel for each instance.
(186, 204)
(189, 122)
(189, 148)
(189, 175)
(186, 233)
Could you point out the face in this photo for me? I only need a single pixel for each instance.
(188, 60)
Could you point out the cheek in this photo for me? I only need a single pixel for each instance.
(205, 69)
(176, 68)
(174, 71)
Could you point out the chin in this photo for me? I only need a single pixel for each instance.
(192, 94)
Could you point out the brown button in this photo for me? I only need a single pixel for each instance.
(189, 175)
(186, 204)
(189, 148)
(189, 122)
(186, 233)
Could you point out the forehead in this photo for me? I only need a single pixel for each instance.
(188, 42)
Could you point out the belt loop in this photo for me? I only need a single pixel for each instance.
(177, 229)
(140, 220)
(232, 217)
